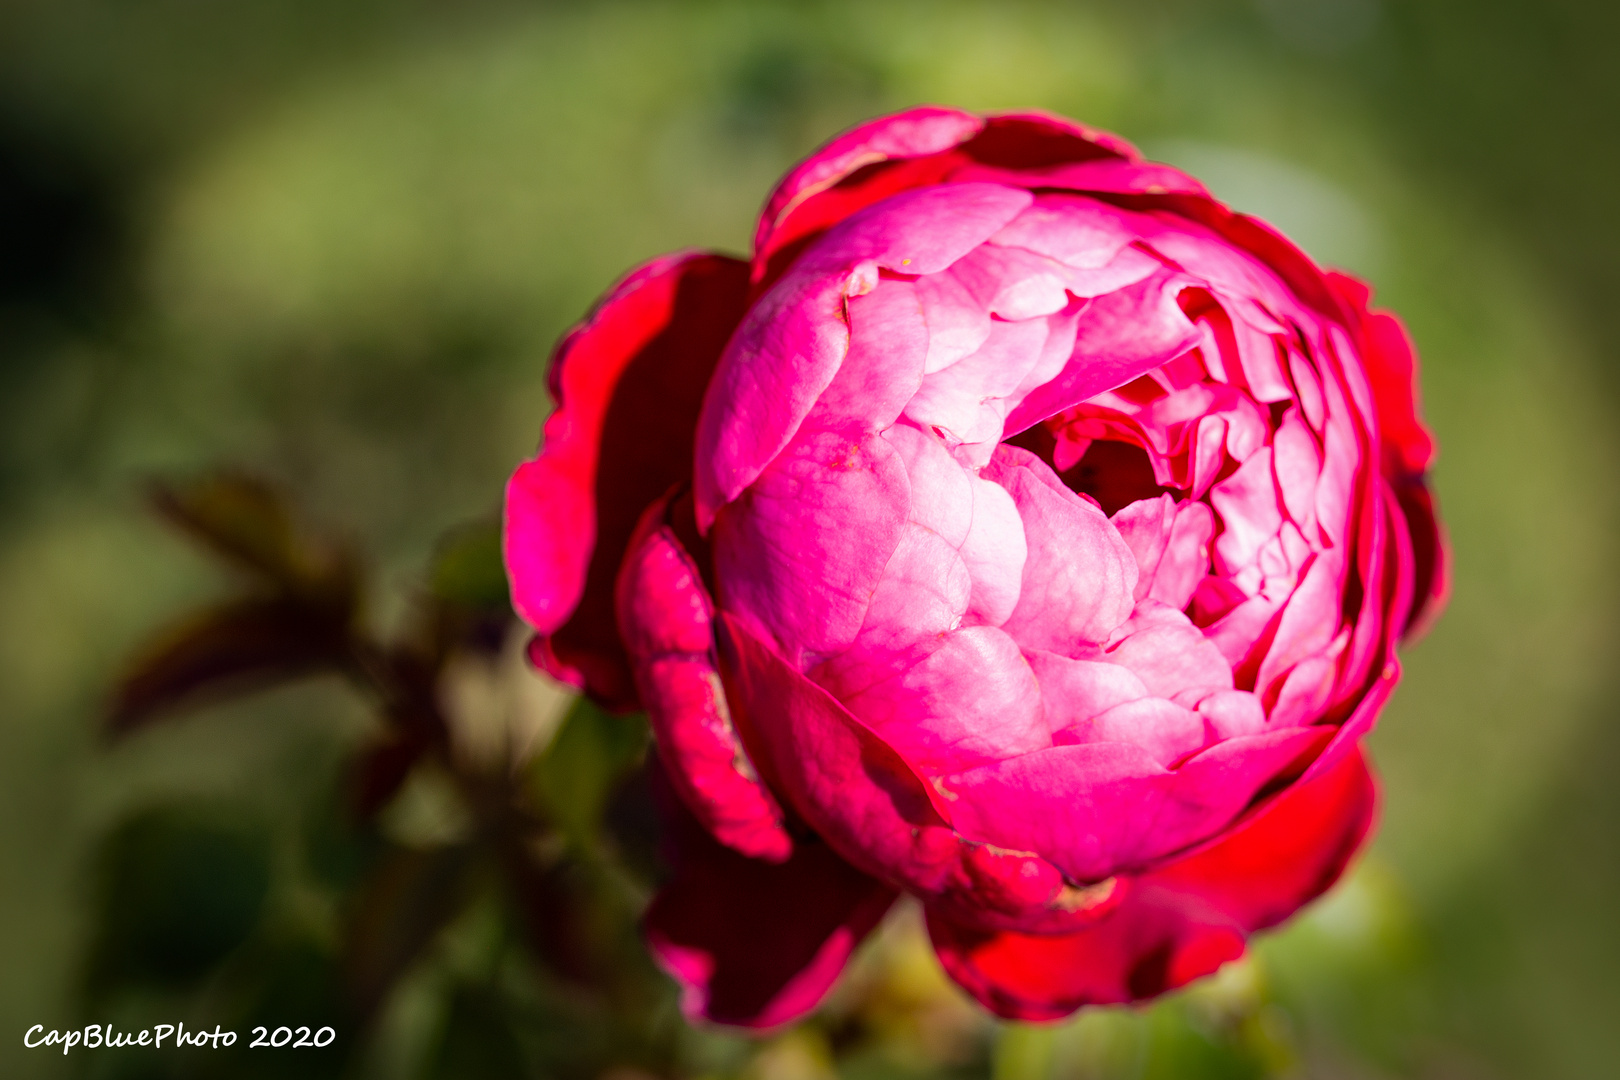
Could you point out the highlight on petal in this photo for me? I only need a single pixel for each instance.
(1079, 575)
(803, 549)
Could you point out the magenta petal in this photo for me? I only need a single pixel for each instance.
(1165, 730)
(995, 551)
(1297, 463)
(1168, 653)
(955, 400)
(1177, 922)
(1012, 283)
(794, 339)
(921, 231)
(665, 617)
(1121, 335)
(957, 323)
(628, 382)
(923, 594)
(1171, 545)
(785, 353)
(848, 784)
(803, 548)
(1097, 808)
(941, 490)
(1079, 575)
(1079, 232)
(1247, 504)
(1309, 619)
(1076, 690)
(756, 944)
(1150, 944)
(888, 343)
(1231, 713)
(971, 700)
(914, 133)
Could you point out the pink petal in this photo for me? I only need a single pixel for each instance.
(923, 594)
(1171, 545)
(666, 617)
(1297, 464)
(1073, 691)
(1232, 713)
(1167, 652)
(973, 699)
(1079, 232)
(1120, 336)
(628, 382)
(803, 549)
(1167, 732)
(1078, 578)
(957, 323)
(1309, 619)
(995, 551)
(1011, 282)
(794, 339)
(848, 784)
(1247, 504)
(910, 134)
(1178, 922)
(954, 399)
(1097, 808)
(884, 368)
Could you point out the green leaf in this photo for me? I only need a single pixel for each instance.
(410, 896)
(478, 1040)
(590, 754)
(178, 889)
(468, 569)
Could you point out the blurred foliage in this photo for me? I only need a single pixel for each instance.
(332, 244)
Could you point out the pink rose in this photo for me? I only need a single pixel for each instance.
(1020, 529)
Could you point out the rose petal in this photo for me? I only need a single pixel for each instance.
(1095, 809)
(628, 382)
(972, 700)
(1079, 575)
(803, 549)
(666, 617)
(1120, 336)
(752, 943)
(1181, 921)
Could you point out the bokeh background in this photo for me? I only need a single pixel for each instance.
(332, 244)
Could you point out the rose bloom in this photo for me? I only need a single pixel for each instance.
(1020, 529)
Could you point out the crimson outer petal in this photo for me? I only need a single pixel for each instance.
(753, 943)
(1182, 920)
(628, 382)
(1408, 446)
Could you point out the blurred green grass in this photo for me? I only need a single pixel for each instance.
(335, 243)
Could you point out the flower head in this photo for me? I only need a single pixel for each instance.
(1020, 529)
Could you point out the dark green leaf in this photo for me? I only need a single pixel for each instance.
(468, 569)
(410, 896)
(591, 753)
(478, 1040)
(178, 888)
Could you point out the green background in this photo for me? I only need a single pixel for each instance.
(334, 242)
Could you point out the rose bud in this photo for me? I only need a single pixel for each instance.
(1020, 529)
